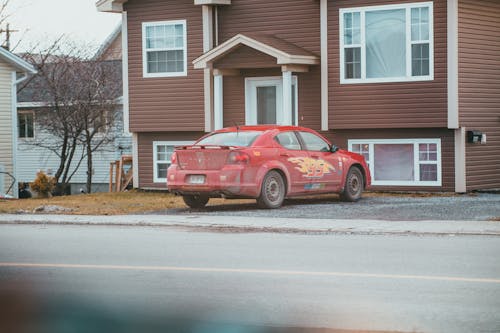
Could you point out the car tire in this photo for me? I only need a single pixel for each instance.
(354, 185)
(195, 201)
(272, 193)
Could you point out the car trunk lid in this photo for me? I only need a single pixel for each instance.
(202, 157)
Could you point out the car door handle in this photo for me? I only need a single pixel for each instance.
(285, 154)
(314, 156)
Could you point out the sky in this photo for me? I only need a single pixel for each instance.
(40, 22)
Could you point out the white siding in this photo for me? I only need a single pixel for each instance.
(31, 159)
(6, 123)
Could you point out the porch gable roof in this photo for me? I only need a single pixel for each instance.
(285, 52)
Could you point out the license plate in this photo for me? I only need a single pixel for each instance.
(196, 179)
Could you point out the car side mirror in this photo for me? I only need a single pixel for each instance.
(334, 149)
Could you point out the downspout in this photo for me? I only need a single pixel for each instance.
(21, 79)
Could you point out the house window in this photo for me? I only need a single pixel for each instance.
(164, 48)
(403, 162)
(390, 43)
(162, 157)
(26, 125)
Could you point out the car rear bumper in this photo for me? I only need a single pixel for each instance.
(230, 181)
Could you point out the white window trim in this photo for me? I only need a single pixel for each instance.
(251, 83)
(408, 77)
(155, 155)
(416, 160)
(144, 50)
(18, 132)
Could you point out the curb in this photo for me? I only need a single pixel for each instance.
(232, 224)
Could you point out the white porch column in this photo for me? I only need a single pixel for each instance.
(218, 102)
(287, 98)
(207, 17)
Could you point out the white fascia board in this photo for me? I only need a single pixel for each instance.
(212, 2)
(15, 61)
(298, 60)
(110, 6)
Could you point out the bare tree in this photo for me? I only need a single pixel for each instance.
(98, 86)
(78, 94)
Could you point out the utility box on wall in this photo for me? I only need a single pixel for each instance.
(474, 136)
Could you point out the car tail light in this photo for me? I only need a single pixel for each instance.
(173, 159)
(238, 157)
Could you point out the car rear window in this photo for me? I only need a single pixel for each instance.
(239, 139)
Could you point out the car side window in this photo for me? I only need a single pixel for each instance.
(288, 140)
(314, 142)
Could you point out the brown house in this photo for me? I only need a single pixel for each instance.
(412, 85)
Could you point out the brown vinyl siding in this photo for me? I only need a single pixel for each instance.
(387, 105)
(169, 103)
(295, 21)
(145, 158)
(234, 100)
(341, 137)
(479, 88)
(246, 57)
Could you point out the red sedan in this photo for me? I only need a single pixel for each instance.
(268, 163)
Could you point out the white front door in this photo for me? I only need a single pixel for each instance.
(264, 100)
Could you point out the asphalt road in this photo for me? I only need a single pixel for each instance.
(397, 283)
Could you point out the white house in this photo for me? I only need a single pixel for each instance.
(13, 70)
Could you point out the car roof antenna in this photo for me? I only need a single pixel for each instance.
(237, 127)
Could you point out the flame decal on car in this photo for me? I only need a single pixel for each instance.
(312, 168)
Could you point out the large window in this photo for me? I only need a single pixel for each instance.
(164, 48)
(386, 43)
(162, 157)
(410, 162)
(26, 125)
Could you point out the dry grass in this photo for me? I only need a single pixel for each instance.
(142, 202)
(106, 203)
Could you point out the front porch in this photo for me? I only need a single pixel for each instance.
(254, 79)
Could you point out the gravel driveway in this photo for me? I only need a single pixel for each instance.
(478, 206)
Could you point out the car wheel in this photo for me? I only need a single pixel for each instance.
(272, 193)
(353, 185)
(195, 201)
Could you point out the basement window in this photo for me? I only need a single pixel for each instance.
(162, 157)
(401, 162)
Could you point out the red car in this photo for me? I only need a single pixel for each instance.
(268, 163)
